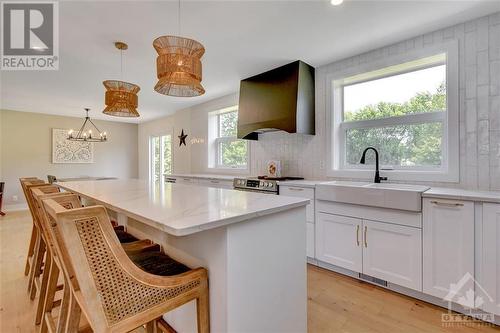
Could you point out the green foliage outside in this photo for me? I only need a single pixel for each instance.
(233, 153)
(399, 145)
(167, 154)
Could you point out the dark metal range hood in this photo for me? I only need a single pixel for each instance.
(279, 99)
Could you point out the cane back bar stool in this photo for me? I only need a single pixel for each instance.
(114, 294)
(31, 248)
(38, 259)
(70, 201)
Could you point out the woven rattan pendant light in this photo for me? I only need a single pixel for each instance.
(178, 65)
(121, 97)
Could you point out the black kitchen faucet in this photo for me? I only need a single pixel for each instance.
(377, 174)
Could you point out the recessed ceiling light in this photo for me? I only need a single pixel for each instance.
(336, 2)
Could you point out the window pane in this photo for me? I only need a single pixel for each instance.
(233, 153)
(227, 124)
(155, 159)
(414, 92)
(167, 153)
(400, 145)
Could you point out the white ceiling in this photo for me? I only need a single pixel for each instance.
(242, 38)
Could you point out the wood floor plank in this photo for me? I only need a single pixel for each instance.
(336, 303)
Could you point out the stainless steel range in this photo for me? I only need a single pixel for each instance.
(256, 185)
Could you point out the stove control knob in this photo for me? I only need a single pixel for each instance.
(270, 185)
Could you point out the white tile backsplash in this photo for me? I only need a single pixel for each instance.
(479, 66)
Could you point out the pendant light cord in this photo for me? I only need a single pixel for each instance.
(179, 18)
(121, 64)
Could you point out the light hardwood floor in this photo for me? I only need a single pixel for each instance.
(335, 303)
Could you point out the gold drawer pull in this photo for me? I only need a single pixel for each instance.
(366, 241)
(446, 204)
(295, 189)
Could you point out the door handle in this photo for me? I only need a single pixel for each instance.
(446, 204)
(357, 234)
(366, 241)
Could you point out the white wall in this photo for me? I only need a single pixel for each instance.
(26, 150)
(168, 125)
(303, 155)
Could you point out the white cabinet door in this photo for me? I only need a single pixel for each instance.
(338, 241)
(219, 183)
(186, 180)
(490, 277)
(301, 192)
(393, 253)
(448, 246)
(310, 239)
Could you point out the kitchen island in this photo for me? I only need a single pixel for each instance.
(253, 245)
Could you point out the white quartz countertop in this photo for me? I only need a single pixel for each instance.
(202, 176)
(460, 194)
(180, 209)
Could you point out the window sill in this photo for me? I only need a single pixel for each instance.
(397, 175)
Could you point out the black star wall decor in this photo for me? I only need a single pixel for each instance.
(182, 138)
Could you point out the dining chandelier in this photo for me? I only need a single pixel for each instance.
(121, 97)
(178, 64)
(87, 135)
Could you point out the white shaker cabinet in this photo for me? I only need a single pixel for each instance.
(308, 193)
(219, 183)
(448, 245)
(339, 241)
(393, 253)
(490, 277)
(185, 180)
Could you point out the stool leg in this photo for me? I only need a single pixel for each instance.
(152, 327)
(63, 313)
(43, 288)
(31, 250)
(50, 295)
(36, 252)
(202, 312)
(74, 313)
(37, 268)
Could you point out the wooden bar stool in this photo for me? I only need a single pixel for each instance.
(31, 248)
(114, 294)
(49, 286)
(38, 257)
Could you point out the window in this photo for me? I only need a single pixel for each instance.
(228, 152)
(404, 112)
(161, 156)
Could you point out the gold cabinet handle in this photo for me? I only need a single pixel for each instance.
(295, 189)
(357, 234)
(446, 204)
(366, 241)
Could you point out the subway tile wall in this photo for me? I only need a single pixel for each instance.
(479, 84)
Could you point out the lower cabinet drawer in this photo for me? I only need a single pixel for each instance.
(301, 192)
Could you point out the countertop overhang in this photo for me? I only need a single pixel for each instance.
(180, 209)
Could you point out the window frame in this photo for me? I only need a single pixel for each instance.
(216, 139)
(336, 127)
(151, 156)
